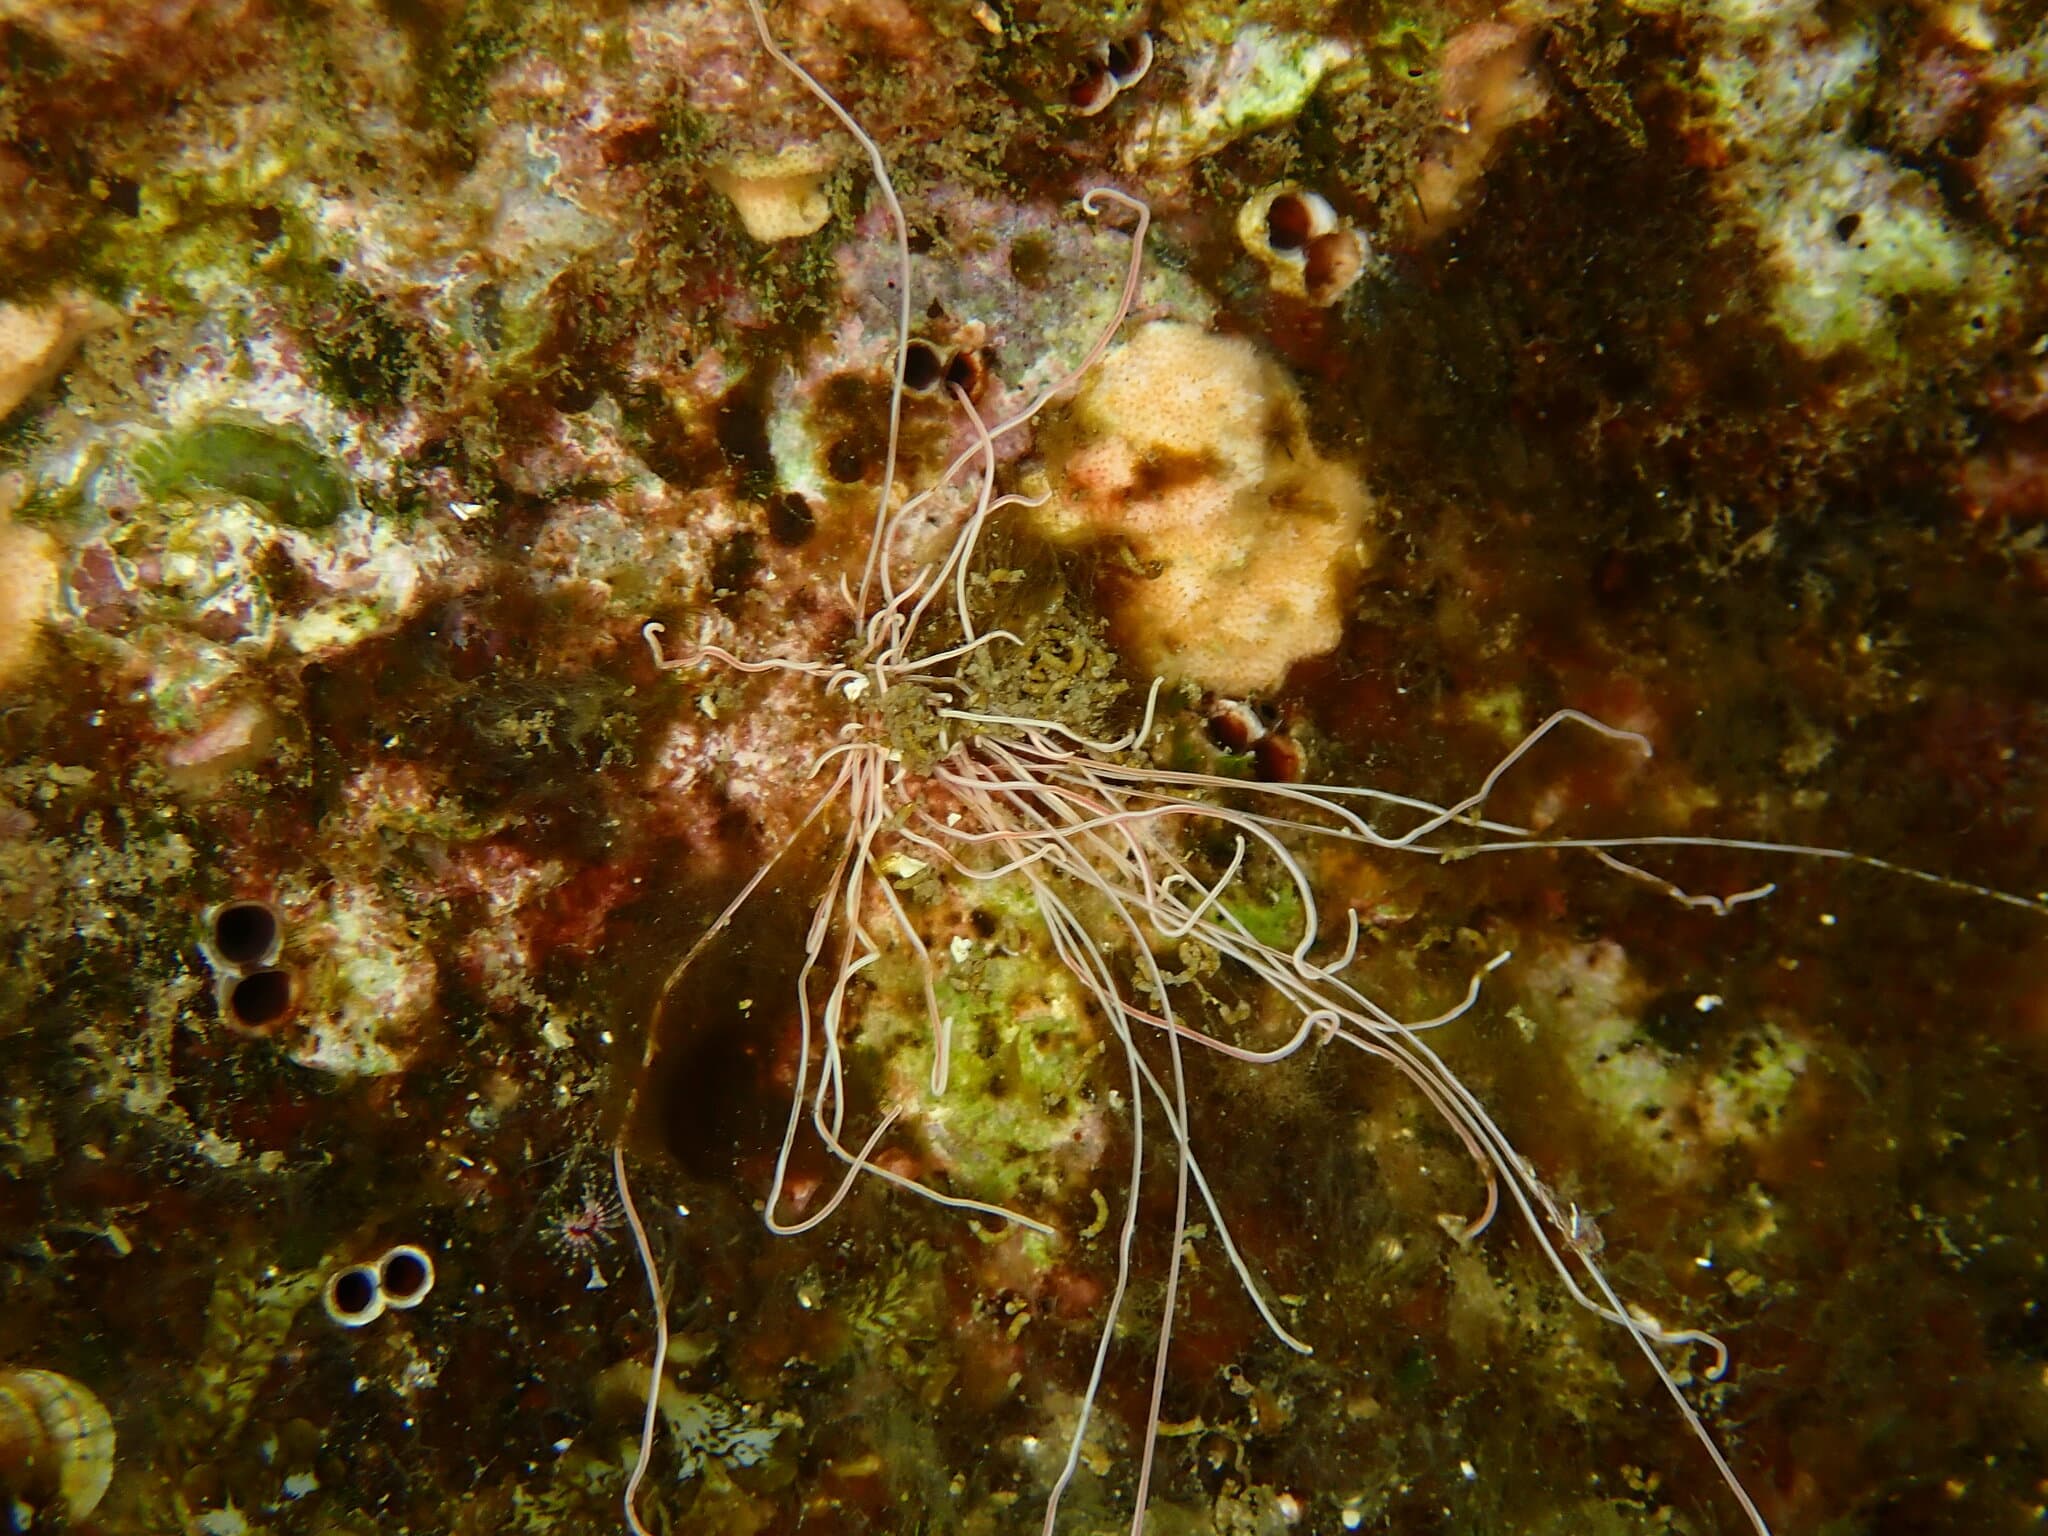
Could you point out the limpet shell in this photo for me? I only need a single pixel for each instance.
(56, 1442)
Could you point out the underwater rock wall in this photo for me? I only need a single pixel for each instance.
(372, 370)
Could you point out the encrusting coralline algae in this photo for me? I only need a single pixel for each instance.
(371, 373)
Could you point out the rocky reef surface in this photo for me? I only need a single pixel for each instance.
(371, 371)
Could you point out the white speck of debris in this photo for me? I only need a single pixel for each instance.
(562, 1445)
(223, 1522)
(1707, 1002)
(901, 866)
(960, 948)
(597, 1281)
(299, 1484)
(218, 1150)
(1827, 919)
(1467, 1471)
(1353, 1517)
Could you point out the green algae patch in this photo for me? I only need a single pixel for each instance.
(1015, 1105)
(1019, 1117)
(1253, 77)
(1273, 919)
(274, 468)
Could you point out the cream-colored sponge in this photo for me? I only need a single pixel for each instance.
(28, 579)
(1193, 450)
(36, 340)
(781, 196)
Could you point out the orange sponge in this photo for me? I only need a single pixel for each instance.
(1193, 450)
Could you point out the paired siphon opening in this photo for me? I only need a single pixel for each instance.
(358, 1294)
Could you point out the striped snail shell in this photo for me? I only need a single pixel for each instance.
(56, 1443)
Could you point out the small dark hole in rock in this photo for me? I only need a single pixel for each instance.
(574, 396)
(261, 998)
(245, 932)
(404, 1276)
(1129, 59)
(1288, 223)
(1231, 730)
(354, 1291)
(966, 372)
(791, 522)
(846, 461)
(922, 366)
